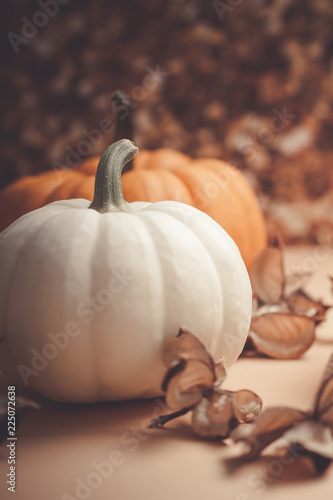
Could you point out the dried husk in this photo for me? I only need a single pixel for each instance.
(267, 276)
(268, 427)
(213, 416)
(301, 303)
(281, 335)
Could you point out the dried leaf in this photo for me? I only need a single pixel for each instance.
(323, 410)
(283, 336)
(325, 398)
(326, 416)
(220, 373)
(176, 367)
(328, 372)
(185, 346)
(281, 307)
(312, 436)
(246, 405)
(268, 427)
(267, 276)
(319, 463)
(185, 388)
(301, 303)
(213, 416)
(190, 384)
(302, 464)
(175, 399)
(191, 370)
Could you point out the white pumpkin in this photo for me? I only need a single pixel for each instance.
(89, 294)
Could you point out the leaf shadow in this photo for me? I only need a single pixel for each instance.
(277, 469)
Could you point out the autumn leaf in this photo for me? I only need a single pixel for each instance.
(289, 428)
(281, 335)
(301, 303)
(267, 275)
(283, 325)
(192, 384)
(191, 369)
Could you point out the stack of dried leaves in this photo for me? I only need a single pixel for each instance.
(192, 384)
(283, 322)
(295, 432)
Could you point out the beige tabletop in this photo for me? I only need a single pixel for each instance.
(105, 451)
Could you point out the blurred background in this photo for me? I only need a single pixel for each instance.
(248, 81)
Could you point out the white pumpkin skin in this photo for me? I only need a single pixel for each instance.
(116, 285)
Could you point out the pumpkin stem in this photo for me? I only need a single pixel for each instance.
(108, 194)
(121, 105)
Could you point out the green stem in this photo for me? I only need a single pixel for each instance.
(108, 195)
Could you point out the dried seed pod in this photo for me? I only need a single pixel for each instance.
(313, 436)
(185, 346)
(306, 436)
(213, 416)
(283, 336)
(247, 405)
(191, 370)
(268, 427)
(267, 276)
(301, 303)
(185, 389)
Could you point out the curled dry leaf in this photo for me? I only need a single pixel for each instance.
(323, 409)
(327, 373)
(191, 383)
(312, 436)
(268, 427)
(247, 405)
(220, 373)
(281, 307)
(281, 335)
(213, 416)
(267, 276)
(191, 369)
(283, 331)
(307, 435)
(301, 303)
(185, 388)
(219, 412)
(185, 346)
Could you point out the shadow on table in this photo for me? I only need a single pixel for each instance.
(275, 470)
(116, 420)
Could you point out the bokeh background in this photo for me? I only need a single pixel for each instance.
(248, 81)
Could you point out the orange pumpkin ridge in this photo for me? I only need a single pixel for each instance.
(211, 185)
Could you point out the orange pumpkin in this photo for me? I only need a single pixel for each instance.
(213, 186)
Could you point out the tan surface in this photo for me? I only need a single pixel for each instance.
(59, 445)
